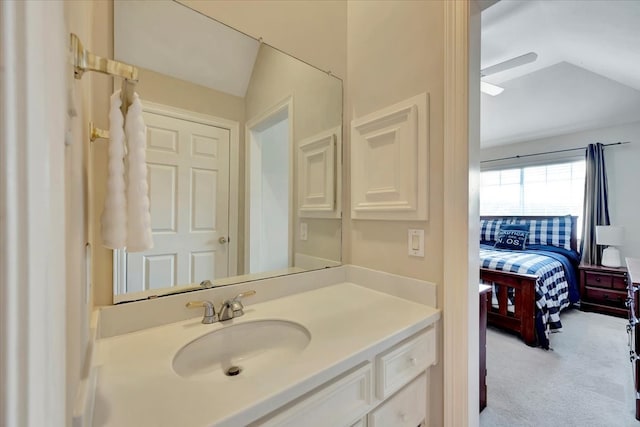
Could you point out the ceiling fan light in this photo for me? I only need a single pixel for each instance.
(490, 89)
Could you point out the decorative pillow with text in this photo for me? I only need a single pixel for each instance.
(511, 239)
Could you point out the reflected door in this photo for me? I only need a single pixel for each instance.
(188, 170)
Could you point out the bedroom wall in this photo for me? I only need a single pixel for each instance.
(623, 171)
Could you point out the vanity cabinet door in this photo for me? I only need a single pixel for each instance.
(338, 404)
(407, 408)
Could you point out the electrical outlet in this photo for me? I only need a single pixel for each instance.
(303, 231)
(416, 242)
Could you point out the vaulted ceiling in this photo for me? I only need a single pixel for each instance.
(586, 76)
(170, 38)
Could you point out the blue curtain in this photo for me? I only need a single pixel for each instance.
(596, 203)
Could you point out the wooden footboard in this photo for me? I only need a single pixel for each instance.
(521, 319)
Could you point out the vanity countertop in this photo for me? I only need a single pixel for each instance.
(349, 324)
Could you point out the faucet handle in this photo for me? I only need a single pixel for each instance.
(236, 304)
(233, 307)
(209, 310)
(241, 295)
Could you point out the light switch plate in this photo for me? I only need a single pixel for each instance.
(303, 231)
(416, 242)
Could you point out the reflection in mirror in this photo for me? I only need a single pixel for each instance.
(243, 154)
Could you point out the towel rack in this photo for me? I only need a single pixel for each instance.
(84, 61)
(97, 133)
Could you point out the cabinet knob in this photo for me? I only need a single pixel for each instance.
(403, 417)
(413, 361)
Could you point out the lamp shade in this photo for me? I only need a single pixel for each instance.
(609, 235)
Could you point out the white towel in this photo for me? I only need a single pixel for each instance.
(138, 218)
(114, 215)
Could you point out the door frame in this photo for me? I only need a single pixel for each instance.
(34, 164)
(120, 255)
(461, 207)
(251, 124)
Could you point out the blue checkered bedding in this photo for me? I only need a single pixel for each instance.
(552, 287)
(546, 231)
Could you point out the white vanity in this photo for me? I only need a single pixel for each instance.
(338, 355)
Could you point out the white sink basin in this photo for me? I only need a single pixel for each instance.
(242, 349)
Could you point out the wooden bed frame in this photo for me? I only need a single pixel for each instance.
(521, 319)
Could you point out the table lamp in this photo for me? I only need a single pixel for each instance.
(610, 236)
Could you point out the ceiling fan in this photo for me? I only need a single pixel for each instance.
(493, 90)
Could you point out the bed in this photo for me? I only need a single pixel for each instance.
(531, 286)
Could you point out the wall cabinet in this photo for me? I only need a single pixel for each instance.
(390, 390)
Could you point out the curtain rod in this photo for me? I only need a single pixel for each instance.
(551, 152)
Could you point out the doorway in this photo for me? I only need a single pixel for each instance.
(269, 183)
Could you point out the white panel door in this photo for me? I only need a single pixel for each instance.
(188, 171)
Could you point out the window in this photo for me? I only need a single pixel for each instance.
(556, 189)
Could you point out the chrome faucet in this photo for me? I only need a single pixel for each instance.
(209, 310)
(233, 307)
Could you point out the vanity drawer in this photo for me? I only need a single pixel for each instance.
(339, 404)
(405, 361)
(408, 408)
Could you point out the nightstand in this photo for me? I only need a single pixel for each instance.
(603, 289)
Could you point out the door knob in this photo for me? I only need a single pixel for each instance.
(222, 240)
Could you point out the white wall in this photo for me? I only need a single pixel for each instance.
(623, 170)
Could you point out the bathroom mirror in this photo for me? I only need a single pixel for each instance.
(243, 154)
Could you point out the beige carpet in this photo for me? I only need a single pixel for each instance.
(585, 381)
